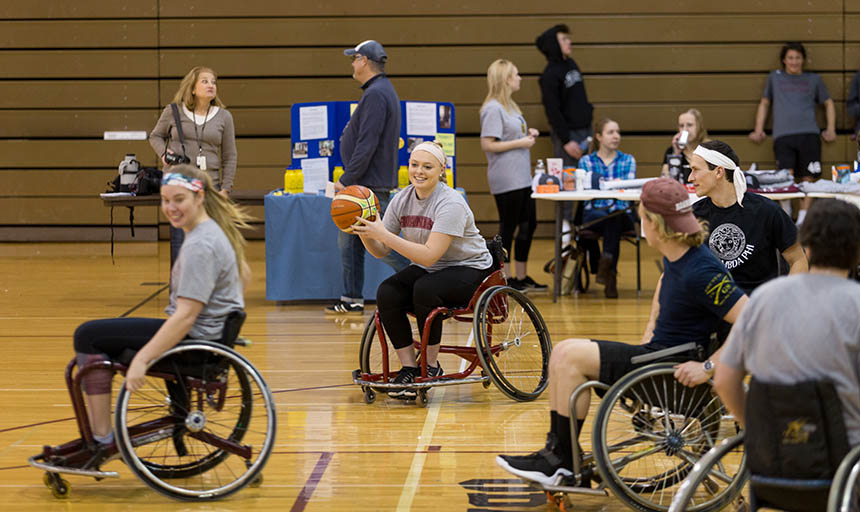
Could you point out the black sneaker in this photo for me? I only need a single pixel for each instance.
(544, 467)
(406, 375)
(517, 284)
(345, 308)
(532, 286)
(435, 371)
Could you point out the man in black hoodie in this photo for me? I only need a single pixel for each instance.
(563, 96)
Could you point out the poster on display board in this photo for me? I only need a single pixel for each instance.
(316, 128)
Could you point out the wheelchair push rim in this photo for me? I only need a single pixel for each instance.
(649, 432)
(513, 343)
(198, 432)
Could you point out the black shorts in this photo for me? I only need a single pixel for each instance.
(615, 358)
(801, 152)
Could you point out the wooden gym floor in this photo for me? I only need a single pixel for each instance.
(333, 452)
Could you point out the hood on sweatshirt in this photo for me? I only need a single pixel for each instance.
(547, 43)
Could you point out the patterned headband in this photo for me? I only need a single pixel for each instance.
(181, 180)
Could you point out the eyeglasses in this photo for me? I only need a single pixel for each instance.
(356, 57)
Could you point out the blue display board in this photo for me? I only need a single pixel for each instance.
(316, 127)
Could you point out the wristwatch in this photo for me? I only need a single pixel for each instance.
(708, 366)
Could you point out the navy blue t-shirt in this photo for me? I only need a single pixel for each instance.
(696, 293)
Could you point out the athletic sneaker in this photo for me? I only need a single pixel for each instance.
(532, 286)
(345, 308)
(516, 284)
(409, 374)
(544, 466)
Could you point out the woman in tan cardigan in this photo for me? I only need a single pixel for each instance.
(210, 138)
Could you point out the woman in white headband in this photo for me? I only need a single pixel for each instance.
(430, 224)
(207, 283)
(746, 229)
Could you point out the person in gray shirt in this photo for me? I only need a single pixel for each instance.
(207, 283)
(778, 342)
(432, 225)
(796, 141)
(506, 139)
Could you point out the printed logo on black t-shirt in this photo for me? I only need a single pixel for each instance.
(720, 288)
(729, 243)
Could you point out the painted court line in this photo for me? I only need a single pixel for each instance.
(411, 485)
(308, 490)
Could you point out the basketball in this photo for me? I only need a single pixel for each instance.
(351, 202)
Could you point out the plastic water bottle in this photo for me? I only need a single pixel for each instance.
(540, 169)
(601, 183)
(585, 144)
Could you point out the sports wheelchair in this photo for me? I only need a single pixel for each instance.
(201, 428)
(512, 344)
(799, 459)
(647, 435)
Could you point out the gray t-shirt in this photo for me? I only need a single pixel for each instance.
(508, 170)
(206, 271)
(445, 211)
(794, 98)
(803, 327)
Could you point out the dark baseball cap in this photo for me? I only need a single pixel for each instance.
(669, 199)
(370, 49)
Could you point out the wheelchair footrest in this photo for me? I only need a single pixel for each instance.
(70, 471)
(358, 378)
(565, 489)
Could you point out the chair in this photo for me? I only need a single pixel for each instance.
(201, 428)
(795, 443)
(512, 344)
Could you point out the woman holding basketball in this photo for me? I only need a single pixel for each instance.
(207, 283)
(430, 224)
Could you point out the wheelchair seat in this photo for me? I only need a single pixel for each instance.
(795, 440)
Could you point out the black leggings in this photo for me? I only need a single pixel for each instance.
(517, 213)
(98, 340)
(413, 289)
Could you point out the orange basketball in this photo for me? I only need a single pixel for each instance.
(351, 202)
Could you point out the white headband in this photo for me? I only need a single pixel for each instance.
(721, 160)
(434, 150)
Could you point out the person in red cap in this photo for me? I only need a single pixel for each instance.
(694, 294)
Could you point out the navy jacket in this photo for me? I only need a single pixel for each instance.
(369, 144)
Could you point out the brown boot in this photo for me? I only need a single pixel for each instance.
(604, 269)
(611, 290)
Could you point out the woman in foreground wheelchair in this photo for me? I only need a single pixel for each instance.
(449, 258)
(694, 294)
(207, 285)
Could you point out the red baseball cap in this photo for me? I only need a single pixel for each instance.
(669, 199)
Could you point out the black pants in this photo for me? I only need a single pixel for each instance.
(517, 213)
(611, 228)
(413, 289)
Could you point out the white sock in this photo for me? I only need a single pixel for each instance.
(565, 229)
(108, 439)
(801, 215)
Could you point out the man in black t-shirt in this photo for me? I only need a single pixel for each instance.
(693, 296)
(750, 233)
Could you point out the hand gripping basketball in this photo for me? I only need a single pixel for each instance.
(351, 202)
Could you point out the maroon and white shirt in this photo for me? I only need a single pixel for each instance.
(445, 211)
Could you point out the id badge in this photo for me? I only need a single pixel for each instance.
(201, 162)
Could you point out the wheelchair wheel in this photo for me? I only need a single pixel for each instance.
(370, 353)
(709, 468)
(581, 275)
(513, 342)
(845, 492)
(203, 425)
(649, 432)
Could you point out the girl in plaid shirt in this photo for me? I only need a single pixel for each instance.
(607, 162)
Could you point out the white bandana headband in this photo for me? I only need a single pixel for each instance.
(721, 160)
(435, 150)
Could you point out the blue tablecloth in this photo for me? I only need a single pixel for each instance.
(302, 258)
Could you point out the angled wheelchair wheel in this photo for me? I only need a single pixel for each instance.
(513, 342)
(203, 425)
(649, 432)
(695, 490)
(845, 492)
(370, 352)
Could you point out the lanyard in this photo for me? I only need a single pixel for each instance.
(202, 130)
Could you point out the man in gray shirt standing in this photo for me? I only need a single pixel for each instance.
(368, 148)
(804, 326)
(796, 140)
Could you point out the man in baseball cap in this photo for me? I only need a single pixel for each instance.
(694, 294)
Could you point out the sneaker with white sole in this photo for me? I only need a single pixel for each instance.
(532, 286)
(544, 467)
(342, 307)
